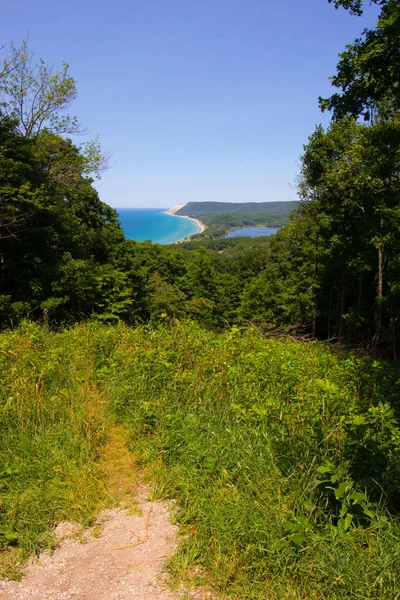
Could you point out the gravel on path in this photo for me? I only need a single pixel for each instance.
(124, 562)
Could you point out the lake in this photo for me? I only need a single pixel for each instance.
(252, 232)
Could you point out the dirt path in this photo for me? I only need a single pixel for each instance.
(121, 558)
(123, 562)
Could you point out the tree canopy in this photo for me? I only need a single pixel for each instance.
(331, 273)
(368, 72)
(35, 95)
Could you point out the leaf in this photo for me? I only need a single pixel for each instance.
(357, 497)
(341, 489)
(323, 469)
(299, 539)
(298, 524)
(368, 512)
(344, 524)
(359, 420)
(326, 385)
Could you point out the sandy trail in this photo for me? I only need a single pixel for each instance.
(123, 563)
(121, 558)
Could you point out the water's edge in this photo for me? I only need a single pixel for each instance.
(155, 225)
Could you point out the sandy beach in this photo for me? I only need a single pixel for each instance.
(174, 209)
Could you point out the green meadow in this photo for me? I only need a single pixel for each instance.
(283, 455)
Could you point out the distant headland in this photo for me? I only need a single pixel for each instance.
(217, 219)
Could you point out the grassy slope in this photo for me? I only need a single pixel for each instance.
(237, 427)
(56, 443)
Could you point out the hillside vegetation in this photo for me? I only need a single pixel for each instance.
(221, 217)
(284, 456)
(332, 272)
(199, 209)
(222, 366)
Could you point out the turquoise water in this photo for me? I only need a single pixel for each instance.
(252, 232)
(154, 224)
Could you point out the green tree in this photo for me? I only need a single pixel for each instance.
(47, 208)
(368, 73)
(283, 293)
(37, 98)
(350, 187)
(35, 95)
(165, 299)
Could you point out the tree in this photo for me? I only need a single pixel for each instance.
(355, 6)
(9, 64)
(49, 209)
(36, 98)
(283, 293)
(35, 95)
(164, 299)
(350, 185)
(368, 72)
(19, 178)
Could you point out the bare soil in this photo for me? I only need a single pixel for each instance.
(123, 562)
(121, 558)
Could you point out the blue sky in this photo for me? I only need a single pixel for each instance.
(195, 99)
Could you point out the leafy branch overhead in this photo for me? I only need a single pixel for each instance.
(355, 6)
(368, 72)
(35, 95)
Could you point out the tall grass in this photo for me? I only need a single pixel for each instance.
(51, 429)
(284, 457)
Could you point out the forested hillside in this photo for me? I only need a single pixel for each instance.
(331, 273)
(221, 217)
(199, 209)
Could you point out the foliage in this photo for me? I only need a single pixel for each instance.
(52, 430)
(368, 72)
(221, 217)
(283, 456)
(355, 6)
(36, 96)
(48, 209)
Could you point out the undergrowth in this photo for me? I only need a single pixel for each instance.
(284, 456)
(52, 428)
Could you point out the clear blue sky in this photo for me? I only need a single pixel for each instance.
(195, 99)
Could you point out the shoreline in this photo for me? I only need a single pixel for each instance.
(174, 209)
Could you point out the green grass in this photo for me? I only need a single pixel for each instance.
(284, 456)
(51, 430)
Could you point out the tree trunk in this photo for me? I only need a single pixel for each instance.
(314, 306)
(330, 313)
(393, 323)
(343, 299)
(379, 297)
(359, 296)
(314, 319)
